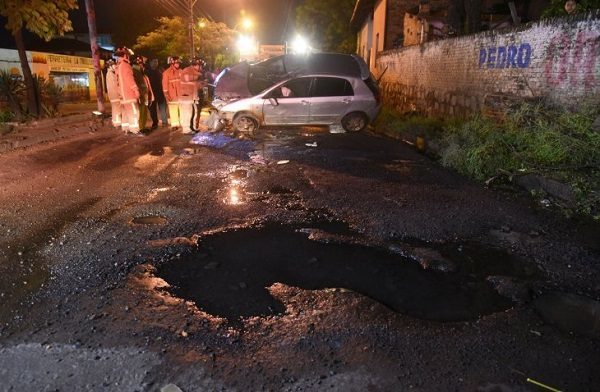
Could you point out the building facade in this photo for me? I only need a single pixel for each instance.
(75, 75)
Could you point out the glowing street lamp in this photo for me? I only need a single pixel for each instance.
(247, 24)
(300, 45)
(247, 47)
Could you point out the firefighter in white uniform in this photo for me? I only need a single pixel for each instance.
(129, 92)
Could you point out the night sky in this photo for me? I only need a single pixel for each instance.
(128, 19)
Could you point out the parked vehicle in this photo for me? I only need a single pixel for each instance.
(341, 91)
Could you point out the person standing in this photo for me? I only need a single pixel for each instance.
(146, 94)
(203, 97)
(190, 83)
(128, 91)
(112, 88)
(170, 87)
(159, 104)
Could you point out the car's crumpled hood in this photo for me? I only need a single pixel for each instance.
(232, 82)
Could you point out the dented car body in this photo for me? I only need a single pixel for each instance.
(318, 89)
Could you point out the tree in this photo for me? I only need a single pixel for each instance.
(171, 38)
(43, 18)
(326, 24)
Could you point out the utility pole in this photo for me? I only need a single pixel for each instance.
(191, 28)
(91, 19)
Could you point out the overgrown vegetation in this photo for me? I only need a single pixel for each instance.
(50, 95)
(12, 90)
(531, 138)
(557, 7)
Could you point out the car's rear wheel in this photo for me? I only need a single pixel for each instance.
(245, 123)
(355, 122)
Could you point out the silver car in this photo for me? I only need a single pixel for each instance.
(314, 99)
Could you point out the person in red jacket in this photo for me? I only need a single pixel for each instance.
(130, 94)
(189, 86)
(170, 84)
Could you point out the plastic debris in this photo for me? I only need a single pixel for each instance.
(216, 140)
(283, 162)
(539, 384)
(170, 388)
(314, 144)
(257, 158)
(336, 129)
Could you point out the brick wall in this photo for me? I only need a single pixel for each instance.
(394, 30)
(557, 59)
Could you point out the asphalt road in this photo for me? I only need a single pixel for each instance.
(300, 260)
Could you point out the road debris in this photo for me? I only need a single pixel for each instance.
(539, 384)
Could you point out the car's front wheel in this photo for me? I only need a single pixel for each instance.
(355, 122)
(245, 123)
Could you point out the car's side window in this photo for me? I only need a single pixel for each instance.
(296, 88)
(332, 87)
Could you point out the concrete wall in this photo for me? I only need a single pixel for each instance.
(557, 59)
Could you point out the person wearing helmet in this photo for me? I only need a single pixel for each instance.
(128, 91)
(170, 85)
(146, 95)
(189, 84)
(112, 88)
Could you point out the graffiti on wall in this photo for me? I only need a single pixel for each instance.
(511, 56)
(572, 63)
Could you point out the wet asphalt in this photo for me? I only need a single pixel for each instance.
(295, 260)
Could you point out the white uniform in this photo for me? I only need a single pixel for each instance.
(112, 87)
(130, 95)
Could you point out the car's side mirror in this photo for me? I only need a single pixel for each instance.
(273, 101)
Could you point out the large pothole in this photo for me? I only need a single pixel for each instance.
(230, 273)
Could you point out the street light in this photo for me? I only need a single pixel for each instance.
(247, 47)
(201, 26)
(247, 24)
(300, 45)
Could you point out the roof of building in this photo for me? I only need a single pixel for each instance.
(362, 9)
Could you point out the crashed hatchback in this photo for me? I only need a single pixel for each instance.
(305, 100)
(314, 89)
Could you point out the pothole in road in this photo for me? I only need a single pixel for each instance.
(230, 273)
(149, 220)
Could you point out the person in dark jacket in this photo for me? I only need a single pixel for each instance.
(159, 104)
(146, 95)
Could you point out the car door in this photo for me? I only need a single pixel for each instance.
(289, 103)
(331, 98)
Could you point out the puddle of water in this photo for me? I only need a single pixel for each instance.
(234, 192)
(149, 220)
(229, 275)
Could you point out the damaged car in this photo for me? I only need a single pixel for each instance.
(318, 89)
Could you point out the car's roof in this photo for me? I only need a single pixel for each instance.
(329, 63)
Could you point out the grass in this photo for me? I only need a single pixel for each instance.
(530, 138)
